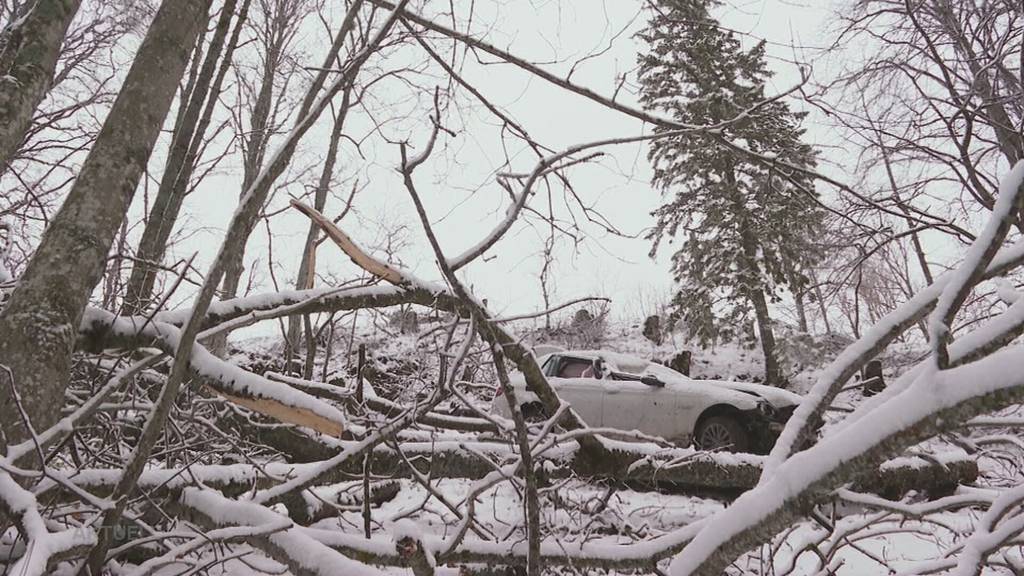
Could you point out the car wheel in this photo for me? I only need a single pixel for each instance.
(722, 433)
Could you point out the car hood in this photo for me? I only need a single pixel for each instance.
(776, 396)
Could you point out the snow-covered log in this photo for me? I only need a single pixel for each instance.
(101, 330)
(292, 546)
(44, 549)
(680, 470)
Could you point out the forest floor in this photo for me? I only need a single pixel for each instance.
(576, 510)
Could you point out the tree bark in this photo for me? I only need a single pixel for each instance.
(28, 60)
(801, 310)
(39, 325)
(772, 371)
(755, 293)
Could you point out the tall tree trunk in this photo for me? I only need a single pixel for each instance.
(307, 266)
(801, 310)
(27, 62)
(260, 187)
(772, 371)
(174, 183)
(755, 288)
(820, 298)
(255, 146)
(755, 293)
(39, 325)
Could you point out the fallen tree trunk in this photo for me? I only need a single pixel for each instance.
(101, 330)
(675, 470)
(384, 406)
(381, 549)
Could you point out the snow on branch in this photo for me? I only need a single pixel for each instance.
(872, 343)
(992, 335)
(286, 302)
(44, 548)
(970, 271)
(304, 556)
(274, 399)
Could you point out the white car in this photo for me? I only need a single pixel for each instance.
(612, 390)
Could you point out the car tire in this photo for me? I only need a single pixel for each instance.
(721, 433)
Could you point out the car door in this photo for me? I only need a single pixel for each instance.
(633, 405)
(584, 394)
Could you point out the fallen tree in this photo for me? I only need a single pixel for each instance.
(640, 466)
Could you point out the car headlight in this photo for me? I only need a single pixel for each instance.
(766, 408)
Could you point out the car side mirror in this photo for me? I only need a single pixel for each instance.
(652, 381)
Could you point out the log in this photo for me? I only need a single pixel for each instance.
(680, 470)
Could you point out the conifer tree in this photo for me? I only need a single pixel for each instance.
(747, 224)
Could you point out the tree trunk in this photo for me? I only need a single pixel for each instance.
(1011, 142)
(754, 290)
(234, 266)
(174, 183)
(28, 60)
(307, 266)
(40, 323)
(801, 311)
(255, 150)
(772, 372)
(820, 299)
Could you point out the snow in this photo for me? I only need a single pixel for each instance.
(402, 529)
(986, 536)
(943, 458)
(964, 345)
(978, 256)
(271, 300)
(209, 474)
(1006, 291)
(672, 523)
(206, 364)
(301, 549)
(930, 394)
(645, 513)
(42, 544)
(861, 351)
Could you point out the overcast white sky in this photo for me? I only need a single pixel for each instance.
(458, 185)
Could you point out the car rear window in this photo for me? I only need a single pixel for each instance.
(573, 368)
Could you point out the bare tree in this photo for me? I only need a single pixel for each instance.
(307, 265)
(29, 48)
(186, 142)
(265, 104)
(38, 325)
